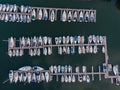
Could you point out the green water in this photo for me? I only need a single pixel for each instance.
(108, 23)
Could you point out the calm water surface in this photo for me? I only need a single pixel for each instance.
(108, 23)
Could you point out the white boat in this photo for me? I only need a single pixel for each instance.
(84, 77)
(14, 8)
(56, 40)
(83, 49)
(15, 77)
(91, 49)
(40, 14)
(21, 18)
(82, 39)
(79, 50)
(0, 7)
(34, 51)
(73, 78)
(25, 68)
(13, 18)
(90, 38)
(55, 69)
(81, 16)
(21, 8)
(3, 17)
(40, 42)
(64, 50)
(22, 42)
(86, 18)
(92, 17)
(68, 50)
(62, 69)
(28, 18)
(45, 39)
(71, 40)
(45, 14)
(28, 42)
(21, 52)
(77, 69)
(45, 51)
(94, 39)
(34, 41)
(49, 40)
(47, 76)
(84, 69)
(103, 49)
(58, 68)
(52, 16)
(29, 78)
(10, 53)
(88, 79)
(42, 77)
(98, 39)
(62, 79)
(60, 50)
(49, 50)
(11, 76)
(67, 39)
(75, 16)
(69, 17)
(31, 53)
(51, 69)
(38, 52)
(60, 40)
(115, 70)
(101, 39)
(64, 39)
(95, 49)
(69, 79)
(33, 77)
(6, 17)
(7, 7)
(87, 49)
(11, 8)
(79, 39)
(75, 39)
(14, 53)
(63, 16)
(17, 52)
(33, 17)
(38, 76)
(69, 69)
(20, 76)
(66, 78)
(25, 76)
(80, 79)
(3, 7)
(66, 68)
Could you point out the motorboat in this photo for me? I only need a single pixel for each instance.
(63, 16)
(90, 39)
(42, 77)
(81, 16)
(38, 76)
(77, 69)
(95, 49)
(40, 14)
(91, 49)
(59, 40)
(67, 39)
(79, 50)
(38, 52)
(64, 39)
(60, 50)
(68, 50)
(92, 17)
(52, 16)
(14, 8)
(45, 14)
(83, 49)
(84, 69)
(86, 16)
(20, 76)
(80, 79)
(15, 74)
(17, 52)
(58, 68)
(66, 68)
(69, 17)
(29, 77)
(55, 69)
(84, 78)
(56, 40)
(82, 39)
(49, 50)
(62, 79)
(7, 7)
(64, 50)
(33, 77)
(11, 76)
(69, 79)
(79, 39)
(45, 39)
(40, 42)
(66, 78)
(33, 17)
(115, 70)
(75, 39)
(71, 39)
(73, 78)
(34, 51)
(94, 39)
(88, 79)
(72, 50)
(45, 51)
(75, 16)
(103, 49)
(10, 53)
(21, 8)
(47, 76)
(101, 39)
(69, 69)
(62, 69)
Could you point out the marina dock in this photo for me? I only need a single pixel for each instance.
(26, 14)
